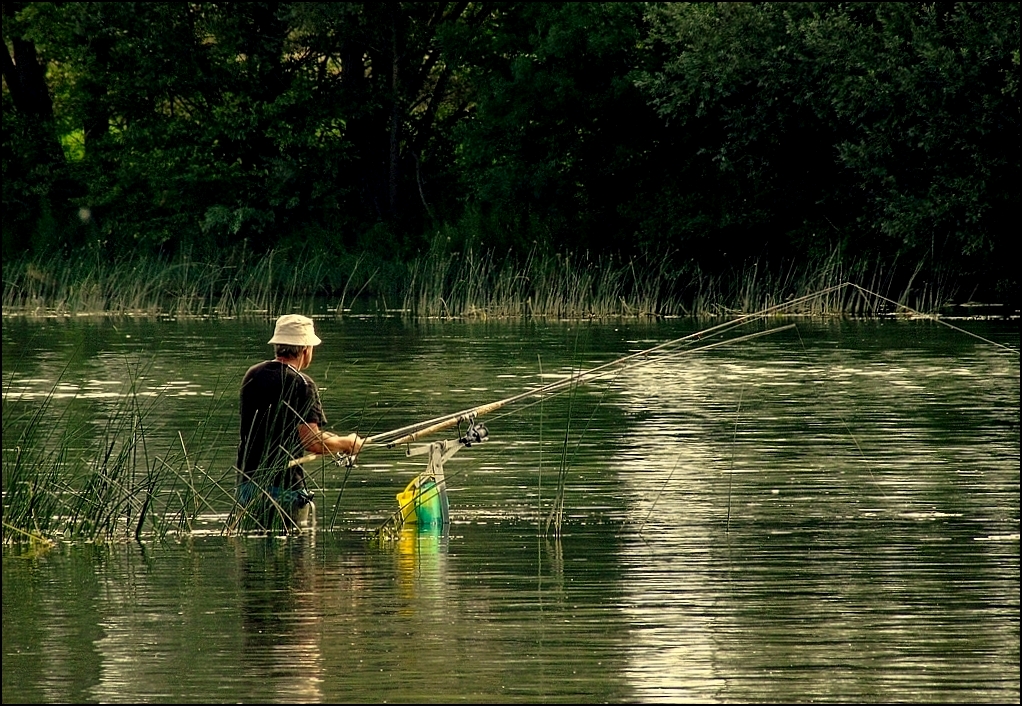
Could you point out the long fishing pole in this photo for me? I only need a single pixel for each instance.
(717, 330)
(584, 376)
(555, 387)
(674, 354)
(413, 432)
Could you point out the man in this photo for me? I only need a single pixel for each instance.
(281, 416)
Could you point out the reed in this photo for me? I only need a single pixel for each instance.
(238, 283)
(470, 284)
(102, 481)
(473, 285)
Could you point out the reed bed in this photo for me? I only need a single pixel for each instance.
(469, 285)
(237, 284)
(103, 482)
(558, 286)
(446, 285)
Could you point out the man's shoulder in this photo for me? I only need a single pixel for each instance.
(280, 372)
(259, 368)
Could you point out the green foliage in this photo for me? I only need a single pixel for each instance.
(718, 135)
(206, 124)
(887, 125)
(559, 137)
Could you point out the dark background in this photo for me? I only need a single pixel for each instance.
(707, 136)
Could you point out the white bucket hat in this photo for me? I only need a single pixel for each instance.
(295, 330)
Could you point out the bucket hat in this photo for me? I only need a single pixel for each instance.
(295, 330)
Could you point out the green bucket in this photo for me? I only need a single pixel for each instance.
(424, 502)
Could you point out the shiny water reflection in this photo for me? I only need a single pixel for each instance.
(830, 515)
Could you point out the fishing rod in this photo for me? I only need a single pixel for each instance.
(469, 415)
(412, 432)
(714, 330)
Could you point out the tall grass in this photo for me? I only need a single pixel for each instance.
(473, 285)
(237, 283)
(441, 284)
(445, 285)
(100, 480)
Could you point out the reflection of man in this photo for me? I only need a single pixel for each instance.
(281, 415)
(281, 612)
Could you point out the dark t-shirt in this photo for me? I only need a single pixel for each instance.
(275, 400)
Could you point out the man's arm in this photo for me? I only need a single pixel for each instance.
(323, 442)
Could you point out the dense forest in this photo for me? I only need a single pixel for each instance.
(709, 136)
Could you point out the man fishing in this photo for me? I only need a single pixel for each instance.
(281, 416)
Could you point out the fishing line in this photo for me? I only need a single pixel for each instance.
(657, 498)
(731, 472)
(563, 471)
(730, 475)
(556, 514)
(660, 357)
(933, 317)
(539, 488)
(557, 509)
(413, 431)
(848, 430)
(348, 466)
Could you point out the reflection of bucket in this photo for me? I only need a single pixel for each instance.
(419, 555)
(420, 541)
(424, 501)
(305, 515)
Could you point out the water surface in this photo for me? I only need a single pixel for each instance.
(829, 513)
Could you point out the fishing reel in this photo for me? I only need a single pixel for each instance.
(344, 460)
(476, 434)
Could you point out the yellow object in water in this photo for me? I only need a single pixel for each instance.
(424, 501)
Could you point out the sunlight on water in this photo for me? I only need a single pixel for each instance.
(831, 515)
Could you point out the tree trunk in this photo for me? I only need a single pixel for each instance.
(26, 80)
(395, 116)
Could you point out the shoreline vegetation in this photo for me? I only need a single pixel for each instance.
(470, 286)
(559, 161)
(116, 486)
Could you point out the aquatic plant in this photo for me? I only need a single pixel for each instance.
(443, 285)
(102, 481)
(237, 283)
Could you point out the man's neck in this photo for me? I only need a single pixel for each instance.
(290, 362)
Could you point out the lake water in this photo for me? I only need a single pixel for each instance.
(825, 513)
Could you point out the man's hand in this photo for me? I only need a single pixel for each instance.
(327, 442)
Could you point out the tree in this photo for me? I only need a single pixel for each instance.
(560, 139)
(884, 125)
(36, 185)
(203, 125)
